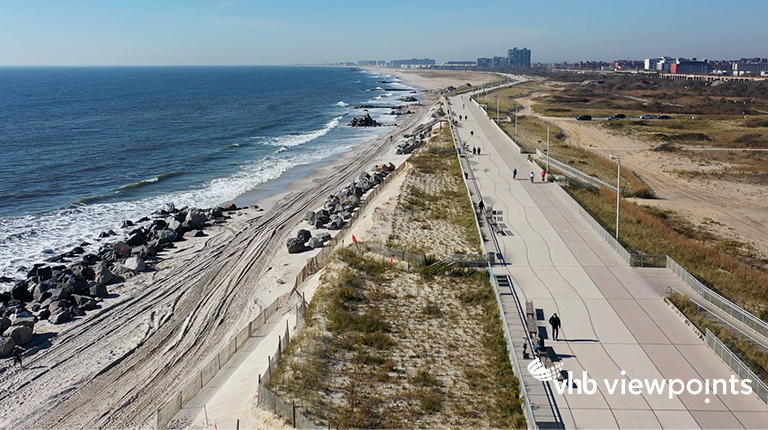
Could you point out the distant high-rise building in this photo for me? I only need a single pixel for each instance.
(519, 58)
(485, 63)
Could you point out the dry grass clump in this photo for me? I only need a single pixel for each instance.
(723, 268)
(433, 214)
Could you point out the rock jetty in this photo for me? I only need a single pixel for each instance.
(68, 285)
(364, 121)
(337, 210)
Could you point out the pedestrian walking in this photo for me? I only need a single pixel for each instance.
(554, 321)
(532, 175)
(471, 133)
(543, 176)
(481, 206)
(17, 353)
(474, 151)
(514, 173)
(478, 150)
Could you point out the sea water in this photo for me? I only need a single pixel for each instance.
(83, 149)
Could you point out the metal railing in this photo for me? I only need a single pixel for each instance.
(574, 173)
(623, 253)
(742, 371)
(725, 305)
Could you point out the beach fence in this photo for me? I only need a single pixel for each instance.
(317, 262)
(199, 379)
(269, 400)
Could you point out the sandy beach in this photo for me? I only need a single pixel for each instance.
(115, 366)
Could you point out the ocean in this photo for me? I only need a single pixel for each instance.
(85, 148)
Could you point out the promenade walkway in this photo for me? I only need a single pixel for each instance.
(613, 320)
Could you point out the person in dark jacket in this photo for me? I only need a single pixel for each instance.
(554, 321)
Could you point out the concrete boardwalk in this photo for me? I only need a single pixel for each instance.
(613, 320)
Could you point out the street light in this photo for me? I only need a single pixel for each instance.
(618, 191)
(497, 109)
(515, 124)
(547, 150)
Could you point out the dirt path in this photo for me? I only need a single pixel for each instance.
(113, 368)
(729, 209)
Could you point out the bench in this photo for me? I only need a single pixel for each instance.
(530, 317)
(529, 311)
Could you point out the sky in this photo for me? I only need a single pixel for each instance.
(258, 32)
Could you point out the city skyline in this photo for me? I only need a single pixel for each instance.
(208, 32)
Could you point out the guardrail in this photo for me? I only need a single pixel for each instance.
(623, 253)
(725, 305)
(742, 371)
(575, 173)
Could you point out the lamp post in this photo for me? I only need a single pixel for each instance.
(618, 191)
(497, 109)
(486, 100)
(547, 150)
(515, 124)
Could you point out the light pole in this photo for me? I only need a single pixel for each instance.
(497, 109)
(486, 100)
(618, 191)
(515, 124)
(547, 150)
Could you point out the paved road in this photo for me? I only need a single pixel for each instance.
(613, 320)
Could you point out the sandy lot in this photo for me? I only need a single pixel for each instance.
(728, 209)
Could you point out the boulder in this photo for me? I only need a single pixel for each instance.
(85, 302)
(4, 324)
(137, 238)
(175, 225)
(167, 235)
(17, 319)
(122, 249)
(136, 264)
(230, 207)
(169, 208)
(336, 222)
(98, 290)
(295, 245)
(6, 346)
(218, 211)
(102, 275)
(321, 221)
(303, 235)
(310, 217)
(325, 237)
(61, 316)
(315, 242)
(21, 293)
(127, 223)
(194, 233)
(20, 334)
(90, 259)
(40, 291)
(161, 223)
(196, 219)
(43, 273)
(58, 294)
(44, 314)
(76, 311)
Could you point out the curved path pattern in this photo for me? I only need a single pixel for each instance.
(613, 320)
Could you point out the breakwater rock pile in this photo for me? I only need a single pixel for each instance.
(337, 210)
(70, 284)
(364, 121)
(411, 143)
